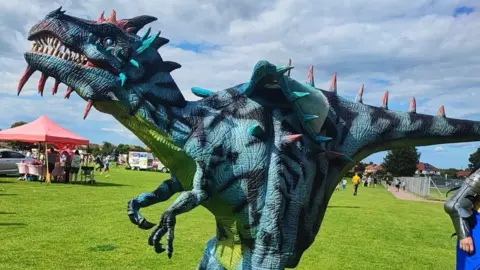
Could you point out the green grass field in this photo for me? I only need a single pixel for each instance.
(65, 226)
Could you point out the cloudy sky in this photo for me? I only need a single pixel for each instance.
(428, 49)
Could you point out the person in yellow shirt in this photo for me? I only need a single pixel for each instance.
(356, 181)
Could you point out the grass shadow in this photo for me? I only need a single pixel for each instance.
(7, 213)
(345, 206)
(100, 184)
(8, 194)
(12, 224)
(102, 248)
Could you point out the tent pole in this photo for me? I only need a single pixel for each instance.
(47, 174)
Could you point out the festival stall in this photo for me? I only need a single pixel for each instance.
(44, 131)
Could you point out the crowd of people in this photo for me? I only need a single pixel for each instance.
(368, 181)
(71, 162)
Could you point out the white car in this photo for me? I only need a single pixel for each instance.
(9, 160)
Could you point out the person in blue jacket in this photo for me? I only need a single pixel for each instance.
(464, 210)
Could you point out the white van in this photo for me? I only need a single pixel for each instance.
(140, 160)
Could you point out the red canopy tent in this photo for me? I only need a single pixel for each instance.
(42, 130)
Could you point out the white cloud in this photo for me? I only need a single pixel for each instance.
(419, 47)
(438, 149)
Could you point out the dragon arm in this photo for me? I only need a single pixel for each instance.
(187, 201)
(460, 206)
(162, 193)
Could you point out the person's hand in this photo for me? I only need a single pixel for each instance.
(466, 244)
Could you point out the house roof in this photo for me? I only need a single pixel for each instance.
(426, 166)
(463, 173)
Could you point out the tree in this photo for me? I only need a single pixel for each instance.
(107, 148)
(474, 159)
(123, 149)
(402, 161)
(20, 145)
(450, 172)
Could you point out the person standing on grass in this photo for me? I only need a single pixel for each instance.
(344, 184)
(464, 210)
(75, 165)
(356, 182)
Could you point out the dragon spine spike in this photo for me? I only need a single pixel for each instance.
(441, 111)
(359, 97)
(385, 101)
(310, 78)
(201, 92)
(299, 95)
(333, 83)
(112, 18)
(289, 64)
(323, 139)
(291, 138)
(134, 63)
(256, 131)
(101, 19)
(413, 106)
(123, 78)
(308, 117)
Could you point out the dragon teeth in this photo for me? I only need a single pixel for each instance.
(53, 46)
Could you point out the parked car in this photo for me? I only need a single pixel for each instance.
(9, 160)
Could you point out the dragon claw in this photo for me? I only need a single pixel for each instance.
(136, 218)
(166, 226)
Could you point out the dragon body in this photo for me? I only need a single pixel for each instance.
(263, 157)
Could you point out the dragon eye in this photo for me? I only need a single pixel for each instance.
(107, 42)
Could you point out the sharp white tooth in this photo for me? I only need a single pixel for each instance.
(49, 40)
(44, 42)
(45, 49)
(57, 44)
(55, 52)
(50, 51)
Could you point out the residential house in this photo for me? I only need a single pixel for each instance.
(373, 168)
(426, 169)
(463, 174)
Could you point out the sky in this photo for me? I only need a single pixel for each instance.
(427, 48)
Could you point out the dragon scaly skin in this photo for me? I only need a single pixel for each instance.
(263, 157)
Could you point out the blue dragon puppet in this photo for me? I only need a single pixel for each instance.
(263, 157)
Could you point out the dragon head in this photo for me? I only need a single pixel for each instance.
(102, 61)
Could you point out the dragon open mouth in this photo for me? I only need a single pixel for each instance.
(53, 46)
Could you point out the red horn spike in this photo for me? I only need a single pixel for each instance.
(441, 111)
(385, 100)
(292, 138)
(26, 75)
(413, 106)
(68, 93)
(359, 97)
(87, 108)
(101, 19)
(113, 17)
(333, 83)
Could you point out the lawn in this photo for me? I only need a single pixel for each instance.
(65, 226)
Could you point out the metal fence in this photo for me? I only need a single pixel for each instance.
(425, 185)
(417, 185)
